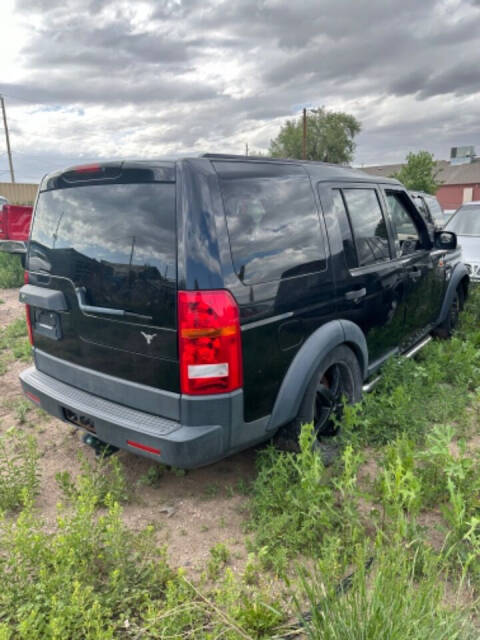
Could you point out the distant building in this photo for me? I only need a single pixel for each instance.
(23, 193)
(459, 177)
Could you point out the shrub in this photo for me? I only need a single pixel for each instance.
(84, 581)
(296, 503)
(11, 271)
(104, 481)
(18, 469)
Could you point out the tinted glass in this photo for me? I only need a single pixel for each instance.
(369, 228)
(117, 240)
(340, 213)
(435, 208)
(466, 221)
(272, 221)
(407, 238)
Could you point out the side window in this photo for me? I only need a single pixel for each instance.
(435, 208)
(340, 212)
(272, 220)
(407, 237)
(368, 224)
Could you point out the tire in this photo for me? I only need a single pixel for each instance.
(338, 376)
(448, 326)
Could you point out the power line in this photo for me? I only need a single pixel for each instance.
(7, 139)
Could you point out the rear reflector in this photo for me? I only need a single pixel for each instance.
(143, 447)
(208, 370)
(32, 397)
(209, 342)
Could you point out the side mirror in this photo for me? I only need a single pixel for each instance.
(445, 240)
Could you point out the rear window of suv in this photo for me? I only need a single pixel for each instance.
(117, 241)
(272, 219)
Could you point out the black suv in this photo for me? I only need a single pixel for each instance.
(186, 310)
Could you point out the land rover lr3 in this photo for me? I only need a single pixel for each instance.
(187, 310)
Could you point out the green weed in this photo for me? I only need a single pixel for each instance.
(104, 481)
(153, 475)
(14, 344)
(296, 501)
(84, 581)
(18, 469)
(11, 271)
(219, 557)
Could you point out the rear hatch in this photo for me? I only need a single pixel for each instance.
(104, 235)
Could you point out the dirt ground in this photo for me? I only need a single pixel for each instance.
(191, 513)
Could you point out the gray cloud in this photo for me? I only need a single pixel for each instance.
(180, 74)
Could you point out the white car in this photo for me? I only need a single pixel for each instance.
(465, 222)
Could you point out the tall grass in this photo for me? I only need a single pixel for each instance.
(393, 602)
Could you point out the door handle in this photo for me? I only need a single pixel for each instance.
(108, 311)
(356, 294)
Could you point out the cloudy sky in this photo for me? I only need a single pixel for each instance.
(85, 79)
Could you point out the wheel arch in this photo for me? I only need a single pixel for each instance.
(307, 360)
(458, 278)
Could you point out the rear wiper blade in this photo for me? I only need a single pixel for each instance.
(107, 311)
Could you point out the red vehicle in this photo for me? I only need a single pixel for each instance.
(14, 227)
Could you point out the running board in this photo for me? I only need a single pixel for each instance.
(408, 354)
(411, 352)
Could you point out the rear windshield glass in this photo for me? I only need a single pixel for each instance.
(117, 241)
(272, 220)
(466, 222)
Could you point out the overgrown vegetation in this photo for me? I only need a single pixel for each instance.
(18, 469)
(385, 543)
(14, 344)
(11, 271)
(104, 481)
(417, 518)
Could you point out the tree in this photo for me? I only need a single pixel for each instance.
(419, 173)
(330, 137)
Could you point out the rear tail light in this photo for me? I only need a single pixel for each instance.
(87, 168)
(209, 342)
(27, 313)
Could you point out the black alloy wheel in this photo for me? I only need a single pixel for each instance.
(338, 380)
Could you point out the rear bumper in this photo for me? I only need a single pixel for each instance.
(177, 445)
(13, 246)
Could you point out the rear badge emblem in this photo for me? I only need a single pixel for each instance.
(148, 336)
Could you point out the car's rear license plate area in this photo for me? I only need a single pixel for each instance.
(79, 420)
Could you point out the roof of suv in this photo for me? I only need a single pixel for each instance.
(322, 171)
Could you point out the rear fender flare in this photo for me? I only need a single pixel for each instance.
(308, 359)
(459, 273)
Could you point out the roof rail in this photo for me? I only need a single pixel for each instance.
(234, 156)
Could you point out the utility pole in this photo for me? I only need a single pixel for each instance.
(7, 138)
(246, 148)
(304, 133)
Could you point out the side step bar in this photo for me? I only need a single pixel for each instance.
(408, 354)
